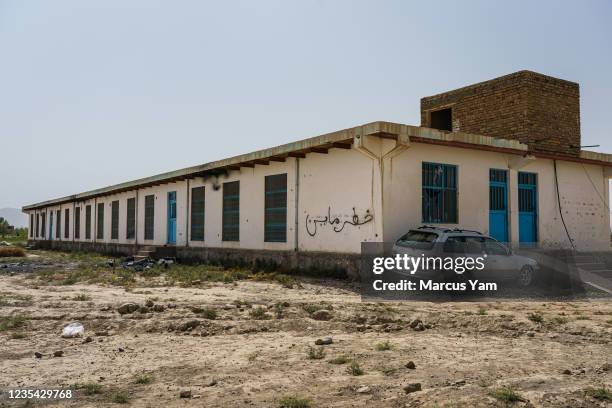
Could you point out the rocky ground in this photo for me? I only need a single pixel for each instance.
(199, 336)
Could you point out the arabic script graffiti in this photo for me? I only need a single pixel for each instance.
(312, 224)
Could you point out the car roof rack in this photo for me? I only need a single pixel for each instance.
(465, 230)
(443, 229)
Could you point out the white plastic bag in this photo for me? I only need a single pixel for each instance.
(73, 330)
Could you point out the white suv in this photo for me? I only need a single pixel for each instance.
(500, 262)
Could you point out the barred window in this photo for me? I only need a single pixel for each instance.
(231, 211)
(149, 217)
(31, 225)
(100, 224)
(275, 216)
(130, 232)
(58, 225)
(67, 223)
(115, 219)
(37, 225)
(197, 214)
(77, 223)
(439, 200)
(43, 229)
(88, 222)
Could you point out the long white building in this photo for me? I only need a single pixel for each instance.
(501, 157)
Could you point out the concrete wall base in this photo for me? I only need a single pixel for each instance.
(321, 264)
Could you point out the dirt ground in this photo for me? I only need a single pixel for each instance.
(246, 343)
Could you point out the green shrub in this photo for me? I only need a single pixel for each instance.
(89, 388)
(82, 297)
(536, 317)
(259, 313)
(339, 360)
(316, 353)
(120, 397)
(354, 369)
(506, 394)
(15, 321)
(559, 320)
(384, 346)
(294, 402)
(602, 394)
(206, 312)
(144, 379)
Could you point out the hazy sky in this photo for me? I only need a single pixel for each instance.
(94, 93)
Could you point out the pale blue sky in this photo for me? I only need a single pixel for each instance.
(94, 93)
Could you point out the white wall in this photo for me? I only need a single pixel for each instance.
(332, 185)
(584, 210)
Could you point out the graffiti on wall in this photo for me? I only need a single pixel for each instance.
(337, 223)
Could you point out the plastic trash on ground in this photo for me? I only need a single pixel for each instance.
(73, 330)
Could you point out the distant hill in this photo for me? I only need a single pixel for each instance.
(14, 217)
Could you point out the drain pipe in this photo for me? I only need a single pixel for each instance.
(297, 204)
(401, 143)
(571, 241)
(187, 216)
(95, 219)
(136, 221)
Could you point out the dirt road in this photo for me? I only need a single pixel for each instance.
(251, 343)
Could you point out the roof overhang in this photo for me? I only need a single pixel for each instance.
(342, 139)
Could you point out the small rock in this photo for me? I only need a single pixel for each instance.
(159, 308)
(410, 365)
(144, 309)
(321, 315)
(38, 354)
(58, 353)
(363, 390)
(185, 394)
(530, 334)
(189, 325)
(121, 349)
(324, 341)
(415, 323)
(149, 303)
(88, 339)
(127, 308)
(211, 382)
(412, 387)
(419, 327)
(458, 383)
(566, 372)
(102, 333)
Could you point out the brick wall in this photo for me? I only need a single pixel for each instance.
(539, 110)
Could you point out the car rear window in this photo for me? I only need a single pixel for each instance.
(418, 239)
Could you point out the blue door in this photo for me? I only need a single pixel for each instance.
(498, 204)
(172, 217)
(528, 208)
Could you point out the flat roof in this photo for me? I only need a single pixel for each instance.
(341, 139)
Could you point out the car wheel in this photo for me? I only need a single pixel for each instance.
(525, 276)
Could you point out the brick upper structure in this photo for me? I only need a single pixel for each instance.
(538, 110)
